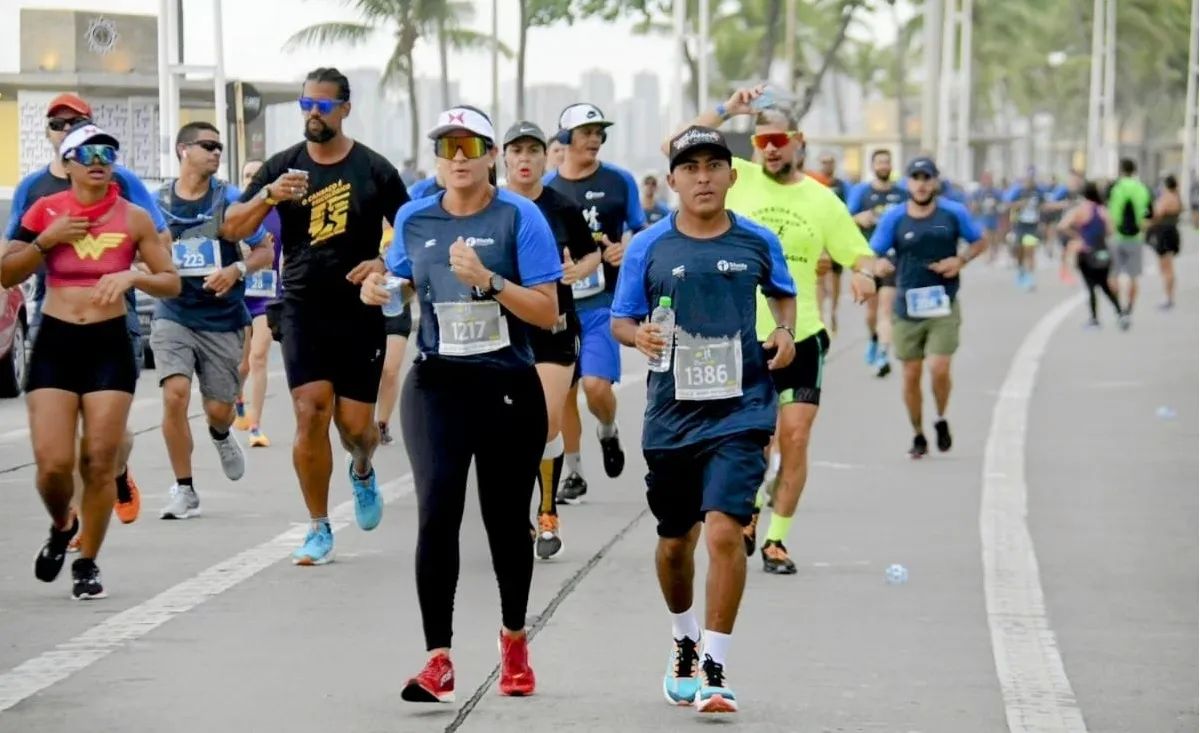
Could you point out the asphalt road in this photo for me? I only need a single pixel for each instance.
(1052, 559)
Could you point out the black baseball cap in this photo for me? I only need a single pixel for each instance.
(923, 164)
(697, 138)
(522, 129)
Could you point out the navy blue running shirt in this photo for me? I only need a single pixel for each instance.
(511, 238)
(921, 242)
(713, 286)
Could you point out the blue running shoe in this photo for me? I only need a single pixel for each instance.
(317, 548)
(714, 695)
(872, 354)
(682, 680)
(368, 505)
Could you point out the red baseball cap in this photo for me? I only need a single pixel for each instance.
(71, 102)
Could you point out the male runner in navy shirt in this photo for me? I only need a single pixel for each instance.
(611, 204)
(924, 234)
(712, 411)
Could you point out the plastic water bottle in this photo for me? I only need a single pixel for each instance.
(772, 96)
(896, 574)
(395, 286)
(664, 317)
(1165, 413)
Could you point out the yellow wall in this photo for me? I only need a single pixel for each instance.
(10, 136)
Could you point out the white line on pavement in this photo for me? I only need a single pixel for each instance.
(1037, 694)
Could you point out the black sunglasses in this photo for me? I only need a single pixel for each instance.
(209, 145)
(58, 124)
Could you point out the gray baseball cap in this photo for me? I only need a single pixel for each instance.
(524, 129)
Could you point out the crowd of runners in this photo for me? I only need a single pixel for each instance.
(520, 295)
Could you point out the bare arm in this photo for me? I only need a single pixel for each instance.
(738, 104)
(161, 281)
(624, 330)
(243, 219)
(537, 305)
(22, 258)
(783, 310)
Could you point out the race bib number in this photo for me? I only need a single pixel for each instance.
(1029, 213)
(196, 256)
(930, 302)
(262, 284)
(466, 329)
(591, 285)
(707, 369)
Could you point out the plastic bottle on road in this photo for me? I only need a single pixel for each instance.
(395, 306)
(664, 317)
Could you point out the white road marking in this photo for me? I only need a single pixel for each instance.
(46, 669)
(1037, 694)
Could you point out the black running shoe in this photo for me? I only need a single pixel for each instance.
(750, 533)
(87, 580)
(614, 457)
(50, 559)
(920, 447)
(572, 490)
(943, 435)
(775, 559)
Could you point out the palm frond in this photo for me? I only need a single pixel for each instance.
(324, 34)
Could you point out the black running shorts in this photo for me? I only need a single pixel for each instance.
(342, 344)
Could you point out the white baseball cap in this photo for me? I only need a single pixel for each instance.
(86, 134)
(463, 118)
(578, 115)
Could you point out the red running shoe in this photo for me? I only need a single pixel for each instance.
(435, 683)
(516, 676)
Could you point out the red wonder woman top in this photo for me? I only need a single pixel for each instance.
(105, 249)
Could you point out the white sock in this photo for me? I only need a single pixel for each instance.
(607, 430)
(554, 448)
(716, 645)
(685, 624)
(572, 464)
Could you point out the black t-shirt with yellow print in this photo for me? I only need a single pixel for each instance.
(337, 225)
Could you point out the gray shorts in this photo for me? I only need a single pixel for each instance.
(1127, 257)
(212, 355)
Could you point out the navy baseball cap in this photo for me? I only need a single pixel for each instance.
(924, 165)
(697, 138)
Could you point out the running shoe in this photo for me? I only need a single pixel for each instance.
(317, 548)
(1125, 321)
(883, 366)
(49, 560)
(385, 434)
(233, 460)
(516, 676)
(1091, 325)
(368, 505)
(872, 354)
(943, 435)
(87, 586)
(714, 695)
(572, 490)
(129, 499)
(258, 439)
(1166, 306)
(435, 683)
(775, 559)
(682, 680)
(240, 422)
(549, 543)
(183, 503)
(920, 447)
(614, 457)
(750, 533)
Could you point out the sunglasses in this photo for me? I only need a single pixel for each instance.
(775, 139)
(93, 154)
(58, 124)
(921, 177)
(324, 106)
(473, 147)
(209, 145)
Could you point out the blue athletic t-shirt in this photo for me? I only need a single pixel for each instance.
(424, 187)
(712, 284)
(865, 197)
(611, 205)
(195, 307)
(511, 238)
(918, 243)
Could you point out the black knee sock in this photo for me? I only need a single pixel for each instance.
(184, 481)
(217, 435)
(123, 494)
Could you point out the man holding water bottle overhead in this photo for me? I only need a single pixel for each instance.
(809, 219)
(711, 404)
(333, 195)
(609, 199)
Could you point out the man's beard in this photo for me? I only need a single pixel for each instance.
(324, 135)
(783, 175)
(926, 202)
(883, 177)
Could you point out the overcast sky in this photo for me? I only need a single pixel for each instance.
(255, 32)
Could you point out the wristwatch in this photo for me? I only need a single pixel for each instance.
(265, 194)
(241, 268)
(495, 285)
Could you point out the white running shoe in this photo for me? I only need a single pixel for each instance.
(183, 504)
(233, 460)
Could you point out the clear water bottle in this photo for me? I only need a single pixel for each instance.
(664, 317)
(896, 575)
(395, 286)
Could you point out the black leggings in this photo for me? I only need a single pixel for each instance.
(451, 413)
(1097, 277)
